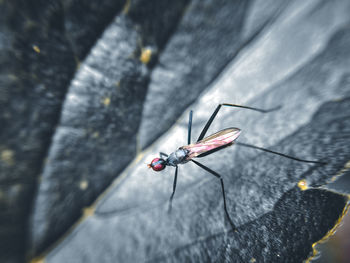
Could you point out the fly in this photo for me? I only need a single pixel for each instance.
(208, 145)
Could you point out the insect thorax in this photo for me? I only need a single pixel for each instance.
(177, 157)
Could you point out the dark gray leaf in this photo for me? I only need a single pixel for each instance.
(96, 136)
(86, 85)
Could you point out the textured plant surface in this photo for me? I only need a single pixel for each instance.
(92, 91)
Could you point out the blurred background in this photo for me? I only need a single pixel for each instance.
(91, 91)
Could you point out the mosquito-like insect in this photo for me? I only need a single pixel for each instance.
(209, 145)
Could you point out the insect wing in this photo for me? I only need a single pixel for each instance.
(217, 140)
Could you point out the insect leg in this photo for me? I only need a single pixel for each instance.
(222, 188)
(280, 154)
(174, 188)
(207, 125)
(161, 154)
(189, 127)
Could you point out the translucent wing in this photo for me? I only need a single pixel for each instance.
(212, 143)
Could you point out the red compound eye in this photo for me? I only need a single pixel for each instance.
(157, 164)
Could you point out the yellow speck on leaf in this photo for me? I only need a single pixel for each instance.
(37, 260)
(126, 6)
(88, 211)
(252, 260)
(338, 100)
(7, 156)
(302, 184)
(83, 184)
(96, 134)
(12, 77)
(36, 48)
(106, 101)
(347, 165)
(146, 55)
(77, 61)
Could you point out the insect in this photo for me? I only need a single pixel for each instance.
(208, 145)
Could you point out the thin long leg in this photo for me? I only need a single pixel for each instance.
(222, 187)
(207, 125)
(161, 154)
(280, 154)
(174, 188)
(189, 127)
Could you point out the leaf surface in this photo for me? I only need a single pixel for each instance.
(89, 89)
